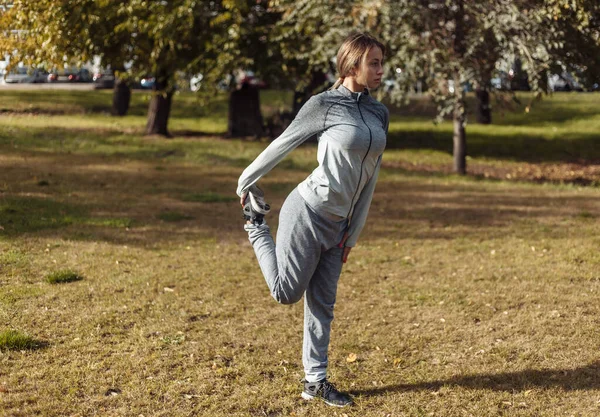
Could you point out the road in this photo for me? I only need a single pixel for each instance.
(48, 86)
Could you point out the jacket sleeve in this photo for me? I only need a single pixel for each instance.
(308, 122)
(361, 209)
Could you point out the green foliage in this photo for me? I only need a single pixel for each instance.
(54, 34)
(63, 276)
(445, 44)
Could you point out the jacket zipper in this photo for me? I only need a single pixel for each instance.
(363, 160)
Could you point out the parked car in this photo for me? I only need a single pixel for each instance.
(147, 82)
(52, 76)
(21, 75)
(195, 82)
(501, 81)
(248, 77)
(564, 82)
(80, 76)
(104, 79)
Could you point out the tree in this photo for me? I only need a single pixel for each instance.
(54, 34)
(577, 51)
(251, 23)
(449, 44)
(170, 37)
(161, 38)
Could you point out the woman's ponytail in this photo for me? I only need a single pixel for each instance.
(337, 83)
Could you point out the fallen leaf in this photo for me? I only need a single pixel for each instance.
(351, 358)
(112, 392)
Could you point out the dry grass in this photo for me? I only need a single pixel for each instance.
(465, 297)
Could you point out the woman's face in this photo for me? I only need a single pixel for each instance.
(371, 71)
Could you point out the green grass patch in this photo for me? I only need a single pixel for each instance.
(14, 340)
(63, 277)
(172, 216)
(585, 215)
(208, 197)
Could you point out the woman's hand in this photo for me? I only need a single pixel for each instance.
(243, 197)
(346, 250)
(345, 255)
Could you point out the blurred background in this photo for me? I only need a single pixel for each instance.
(444, 51)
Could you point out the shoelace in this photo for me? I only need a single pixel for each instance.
(327, 387)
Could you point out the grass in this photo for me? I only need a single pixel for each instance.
(208, 197)
(466, 296)
(173, 217)
(63, 277)
(14, 340)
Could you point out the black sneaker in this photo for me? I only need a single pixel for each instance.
(327, 392)
(255, 208)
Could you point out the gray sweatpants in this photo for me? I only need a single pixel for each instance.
(306, 260)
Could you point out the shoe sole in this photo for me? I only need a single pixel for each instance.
(309, 397)
(258, 204)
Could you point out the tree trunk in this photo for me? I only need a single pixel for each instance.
(317, 81)
(484, 110)
(460, 106)
(159, 109)
(460, 138)
(121, 98)
(245, 118)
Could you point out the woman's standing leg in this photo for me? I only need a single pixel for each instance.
(318, 314)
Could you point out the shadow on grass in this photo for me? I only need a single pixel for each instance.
(30, 214)
(99, 101)
(180, 204)
(438, 211)
(26, 215)
(91, 198)
(557, 108)
(188, 133)
(114, 143)
(576, 147)
(583, 378)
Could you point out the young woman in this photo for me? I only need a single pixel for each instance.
(320, 220)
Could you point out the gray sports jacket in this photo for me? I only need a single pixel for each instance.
(352, 129)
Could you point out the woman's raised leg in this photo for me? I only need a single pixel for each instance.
(289, 265)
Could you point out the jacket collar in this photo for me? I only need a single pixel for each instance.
(351, 94)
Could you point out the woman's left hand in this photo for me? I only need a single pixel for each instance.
(345, 255)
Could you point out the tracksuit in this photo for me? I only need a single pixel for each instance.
(332, 201)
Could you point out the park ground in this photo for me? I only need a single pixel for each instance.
(466, 296)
